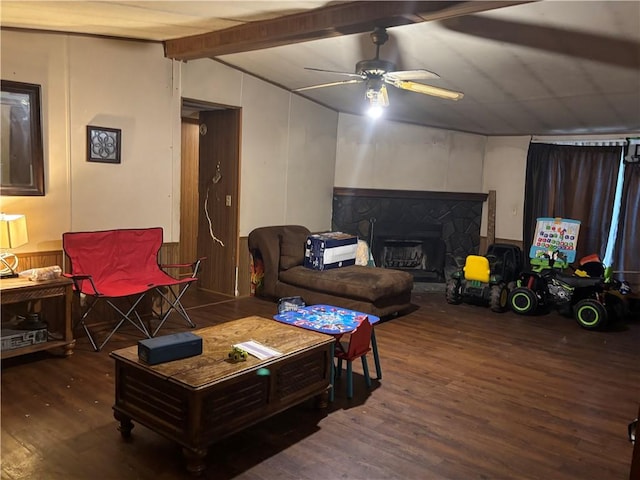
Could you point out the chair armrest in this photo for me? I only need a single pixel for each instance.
(78, 278)
(194, 266)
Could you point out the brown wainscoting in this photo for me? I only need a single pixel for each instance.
(491, 217)
(169, 253)
(27, 261)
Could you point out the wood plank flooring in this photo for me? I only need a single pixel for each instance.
(465, 394)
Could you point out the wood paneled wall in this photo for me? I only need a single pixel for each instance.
(189, 208)
(27, 261)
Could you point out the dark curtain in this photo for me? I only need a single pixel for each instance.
(576, 182)
(626, 256)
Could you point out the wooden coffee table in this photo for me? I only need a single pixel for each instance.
(199, 400)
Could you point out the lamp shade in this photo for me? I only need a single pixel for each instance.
(13, 231)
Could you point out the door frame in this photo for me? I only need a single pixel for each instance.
(220, 271)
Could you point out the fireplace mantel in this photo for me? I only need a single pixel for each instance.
(409, 194)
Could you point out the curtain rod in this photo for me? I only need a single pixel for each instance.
(597, 140)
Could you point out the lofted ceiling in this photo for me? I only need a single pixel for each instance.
(525, 68)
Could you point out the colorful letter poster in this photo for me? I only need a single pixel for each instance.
(555, 234)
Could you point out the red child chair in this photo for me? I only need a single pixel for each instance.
(358, 346)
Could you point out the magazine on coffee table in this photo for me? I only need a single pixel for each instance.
(258, 350)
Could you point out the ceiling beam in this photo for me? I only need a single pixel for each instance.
(334, 20)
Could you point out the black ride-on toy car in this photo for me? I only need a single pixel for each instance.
(547, 286)
(486, 280)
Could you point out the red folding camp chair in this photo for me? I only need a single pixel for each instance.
(123, 264)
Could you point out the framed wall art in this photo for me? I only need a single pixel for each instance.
(103, 144)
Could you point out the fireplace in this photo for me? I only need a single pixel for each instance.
(419, 251)
(416, 231)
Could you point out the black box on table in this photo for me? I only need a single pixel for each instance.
(169, 347)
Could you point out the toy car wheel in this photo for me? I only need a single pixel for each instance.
(453, 294)
(617, 309)
(499, 301)
(590, 313)
(523, 300)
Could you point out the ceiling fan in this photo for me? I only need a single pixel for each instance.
(377, 73)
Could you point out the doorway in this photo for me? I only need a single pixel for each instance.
(209, 193)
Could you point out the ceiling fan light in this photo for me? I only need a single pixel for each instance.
(375, 111)
(377, 96)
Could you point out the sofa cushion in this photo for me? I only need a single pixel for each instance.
(355, 281)
(291, 251)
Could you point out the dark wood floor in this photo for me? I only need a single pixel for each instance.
(465, 394)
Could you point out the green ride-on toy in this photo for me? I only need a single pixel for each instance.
(486, 280)
(548, 283)
(587, 294)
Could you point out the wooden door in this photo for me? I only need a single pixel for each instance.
(218, 177)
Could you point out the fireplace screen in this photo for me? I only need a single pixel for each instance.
(423, 257)
(404, 254)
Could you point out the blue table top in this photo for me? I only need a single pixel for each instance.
(325, 318)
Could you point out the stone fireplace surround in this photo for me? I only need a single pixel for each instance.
(407, 217)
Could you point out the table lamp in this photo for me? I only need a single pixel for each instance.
(13, 234)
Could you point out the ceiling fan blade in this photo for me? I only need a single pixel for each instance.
(412, 75)
(348, 74)
(322, 85)
(427, 89)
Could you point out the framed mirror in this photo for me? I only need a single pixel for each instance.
(21, 159)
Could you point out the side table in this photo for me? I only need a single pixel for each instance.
(20, 290)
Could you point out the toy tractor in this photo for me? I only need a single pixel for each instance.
(486, 280)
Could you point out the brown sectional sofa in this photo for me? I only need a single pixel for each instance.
(379, 291)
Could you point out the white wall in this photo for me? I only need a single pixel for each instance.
(311, 165)
(397, 156)
(505, 165)
(124, 85)
(287, 151)
(43, 60)
(108, 83)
